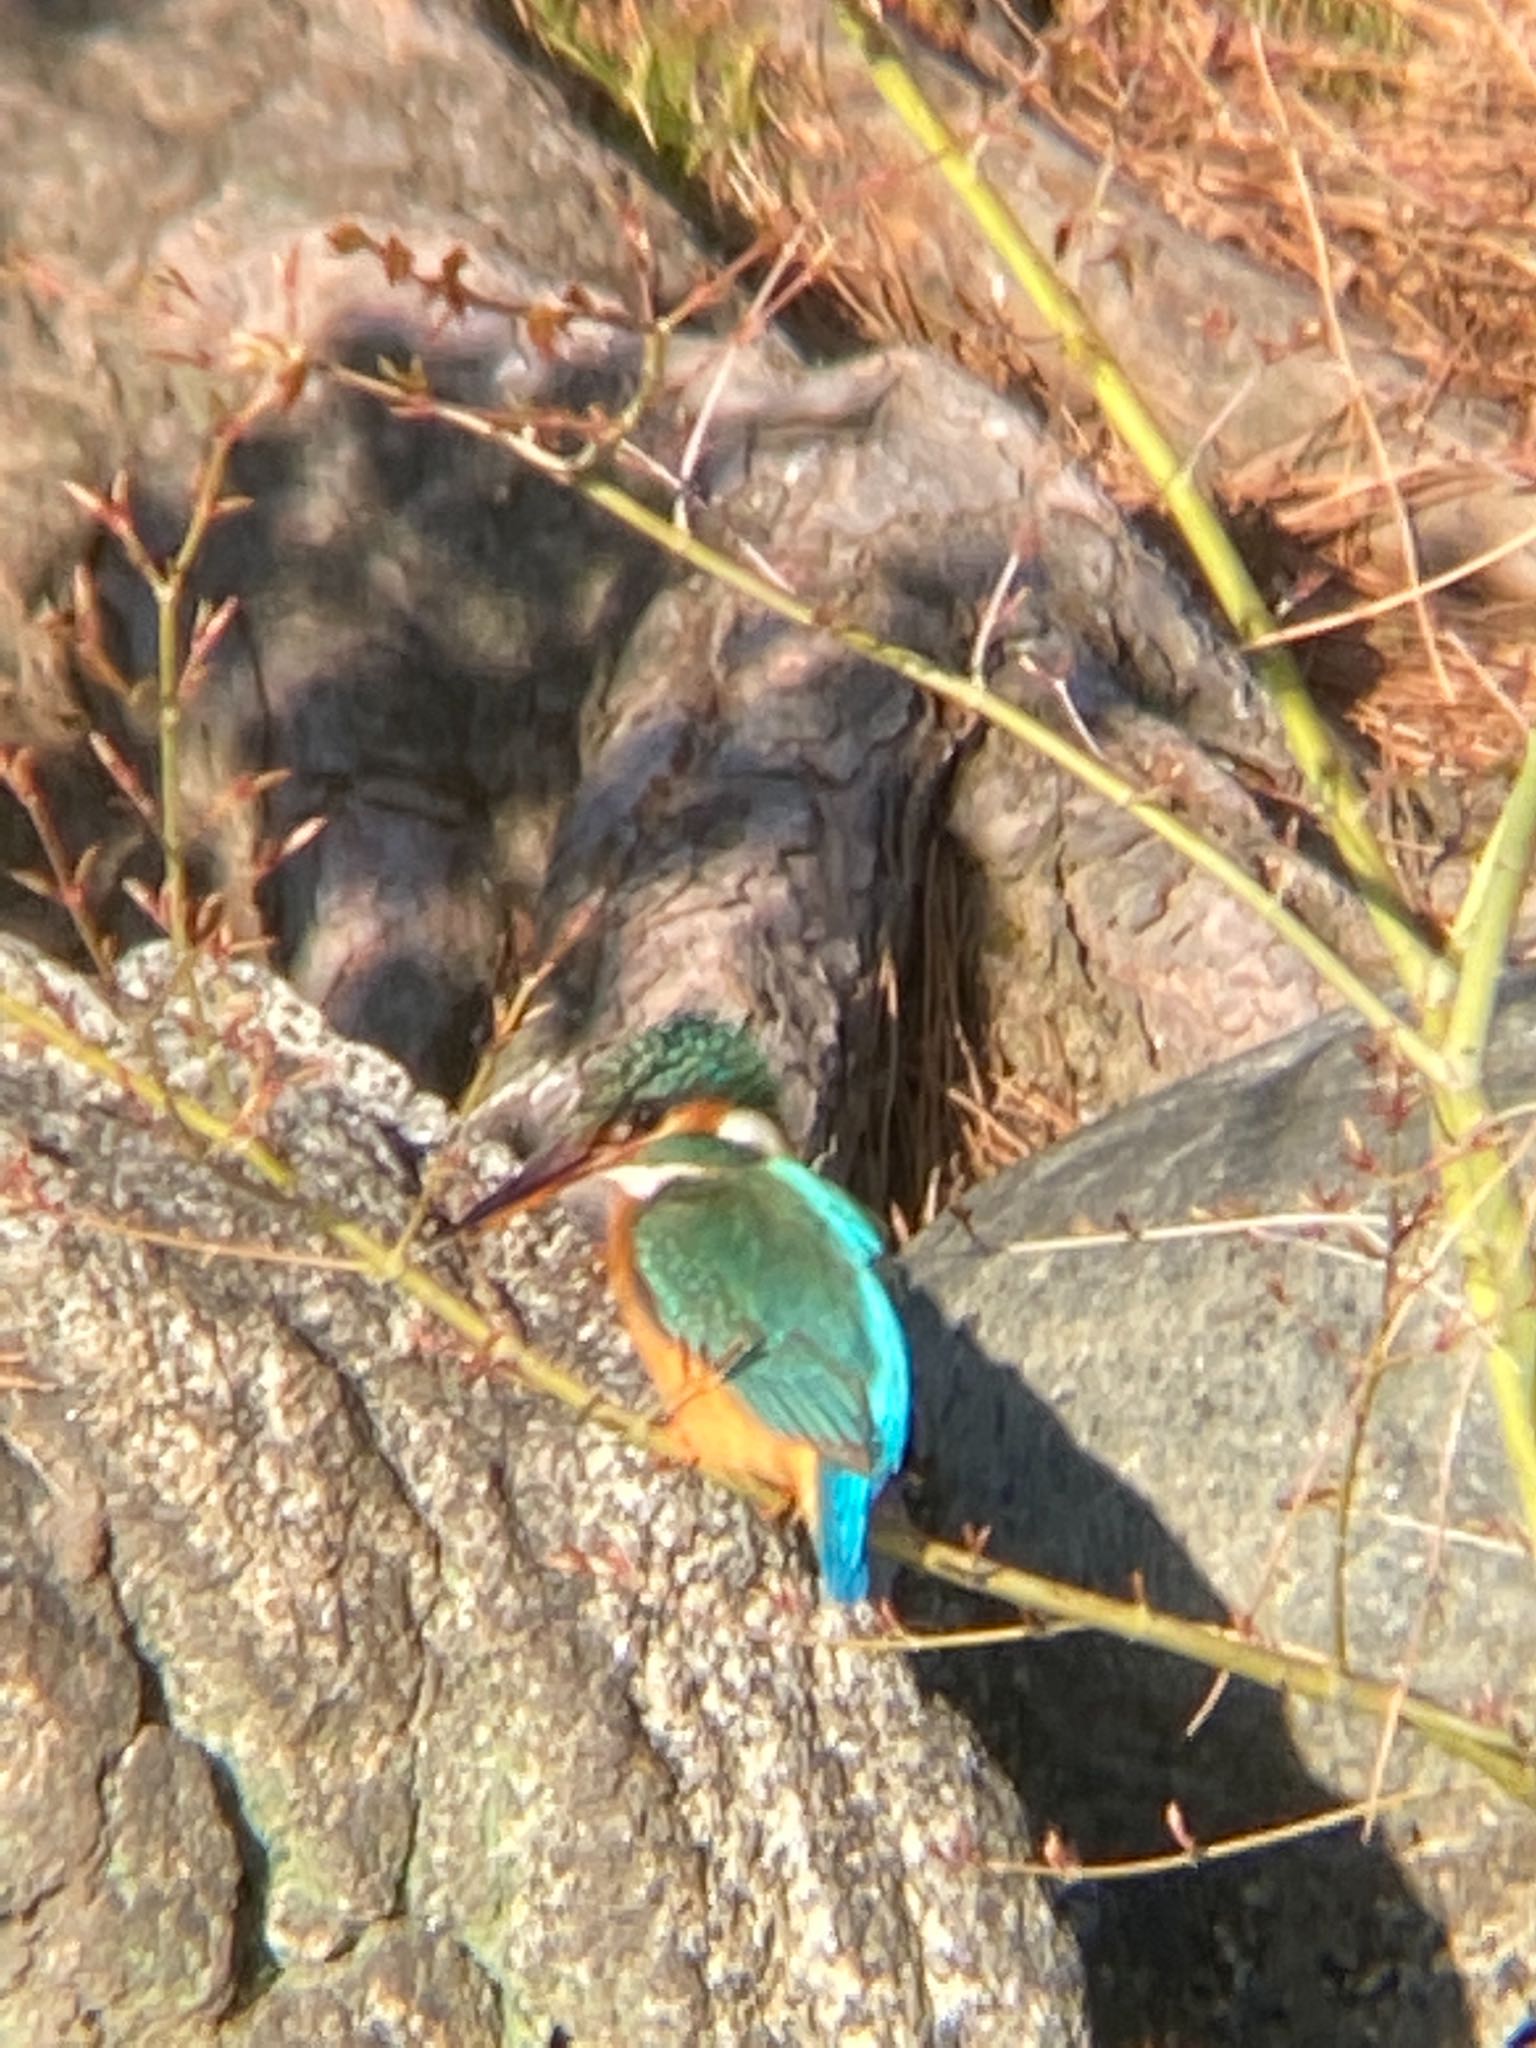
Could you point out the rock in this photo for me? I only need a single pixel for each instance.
(366, 1688)
(355, 1688)
(1181, 1417)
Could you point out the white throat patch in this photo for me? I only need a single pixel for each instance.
(753, 1132)
(640, 1182)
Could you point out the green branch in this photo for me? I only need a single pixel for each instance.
(1480, 936)
(1493, 1751)
(1329, 779)
(1303, 1672)
(960, 690)
(1454, 1000)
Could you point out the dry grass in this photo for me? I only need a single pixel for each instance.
(955, 1112)
(1406, 121)
(1410, 124)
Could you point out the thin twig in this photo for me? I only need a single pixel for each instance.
(1338, 342)
(1379, 607)
(954, 688)
(1498, 1754)
(1069, 1871)
(1330, 780)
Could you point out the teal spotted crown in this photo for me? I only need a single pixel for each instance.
(689, 1056)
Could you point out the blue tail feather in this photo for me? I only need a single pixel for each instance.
(846, 1497)
(842, 1533)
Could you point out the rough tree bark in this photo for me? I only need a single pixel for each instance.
(422, 626)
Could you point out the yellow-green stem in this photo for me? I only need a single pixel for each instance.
(168, 636)
(1480, 936)
(1311, 1677)
(959, 690)
(1492, 1751)
(1455, 1011)
(1484, 1209)
(1482, 1203)
(1330, 782)
(1087, 768)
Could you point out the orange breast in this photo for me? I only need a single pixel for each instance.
(707, 1417)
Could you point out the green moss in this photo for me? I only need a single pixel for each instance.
(686, 79)
(1369, 28)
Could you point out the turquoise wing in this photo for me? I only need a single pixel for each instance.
(800, 1389)
(883, 1340)
(769, 1282)
(849, 1221)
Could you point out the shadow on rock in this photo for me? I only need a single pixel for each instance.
(420, 621)
(1315, 1941)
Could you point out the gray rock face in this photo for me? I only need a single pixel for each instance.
(354, 1683)
(121, 1877)
(1283, 1423)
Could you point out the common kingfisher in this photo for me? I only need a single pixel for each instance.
(747, 1283)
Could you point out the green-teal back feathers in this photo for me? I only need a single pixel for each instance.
(768, 1273)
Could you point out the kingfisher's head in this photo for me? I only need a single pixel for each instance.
(684, 1098)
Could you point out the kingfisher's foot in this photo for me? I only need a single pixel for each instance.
(674, 1454)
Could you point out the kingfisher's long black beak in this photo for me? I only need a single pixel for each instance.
(566, 1161)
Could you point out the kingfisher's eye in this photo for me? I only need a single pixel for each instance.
(636, 1122)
